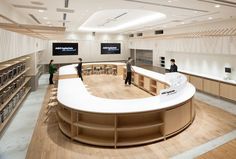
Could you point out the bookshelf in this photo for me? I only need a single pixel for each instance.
(148, 84)
(14, 87)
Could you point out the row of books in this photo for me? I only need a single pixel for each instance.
(9, 73)
(4, 113)
(8, 91)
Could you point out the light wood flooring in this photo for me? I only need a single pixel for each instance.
(49, 143)
(226, 151)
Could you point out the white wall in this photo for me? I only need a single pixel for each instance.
(13, 45)
(202, 55)
(89, 48)
(207, 64)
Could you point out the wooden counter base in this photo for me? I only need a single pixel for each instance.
(128, 123)
(117, 130)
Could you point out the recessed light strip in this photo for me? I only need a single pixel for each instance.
(136, 22)
(66, 3)
(164, 5)
(29, 7)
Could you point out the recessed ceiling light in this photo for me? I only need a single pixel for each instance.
(182, 23)
(48, 22)
(41, 11)
(141, 20)
(209, 18)
(217, 6)
(195, 11)
(169, 1)
(45, 18)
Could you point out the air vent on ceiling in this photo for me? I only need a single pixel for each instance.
(176, 21)
(159, 32)
(139, 34)
(131, 35)
(164, 5)
(29, 7)
(65, 10)
(37, 3)
(64, 16)
(34, 18)
(66, 3)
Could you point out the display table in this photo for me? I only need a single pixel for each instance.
(112, 122)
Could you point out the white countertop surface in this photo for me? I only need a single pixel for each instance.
(210, 77)
(73, 94)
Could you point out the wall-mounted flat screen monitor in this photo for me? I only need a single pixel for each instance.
(110, 48)
(64, 49)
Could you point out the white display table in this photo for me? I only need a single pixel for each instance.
(112, 122)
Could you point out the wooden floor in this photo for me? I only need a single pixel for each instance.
(103, 86)
(226, 151)
(49, 143)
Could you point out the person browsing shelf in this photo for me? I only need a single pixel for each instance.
(129, 71)
(173, 67)
(52, 70)
(79, 69)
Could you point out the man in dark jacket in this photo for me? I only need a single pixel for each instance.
(79, 69)
(173, 67)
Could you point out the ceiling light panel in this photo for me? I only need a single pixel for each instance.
(119, 19)
(29, 7)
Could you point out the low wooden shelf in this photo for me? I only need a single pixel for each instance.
(94, 140)
(94, 126)
(126, 128)
(215, 87)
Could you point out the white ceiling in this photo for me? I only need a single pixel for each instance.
(178, 12)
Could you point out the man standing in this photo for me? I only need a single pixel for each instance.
(52, 70)
(79, 69)
(173, 67)
(129, 71)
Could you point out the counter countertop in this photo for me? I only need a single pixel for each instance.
(73, 94)
(209, 77)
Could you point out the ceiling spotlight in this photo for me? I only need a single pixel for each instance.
(41, 11)
(45, 18)
(195, 11)
(182, 23)
(217, 6)
(210, 18)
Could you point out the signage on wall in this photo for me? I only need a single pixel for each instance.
(110, 48)
(59, 49)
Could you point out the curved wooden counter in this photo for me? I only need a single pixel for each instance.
(111, 122)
